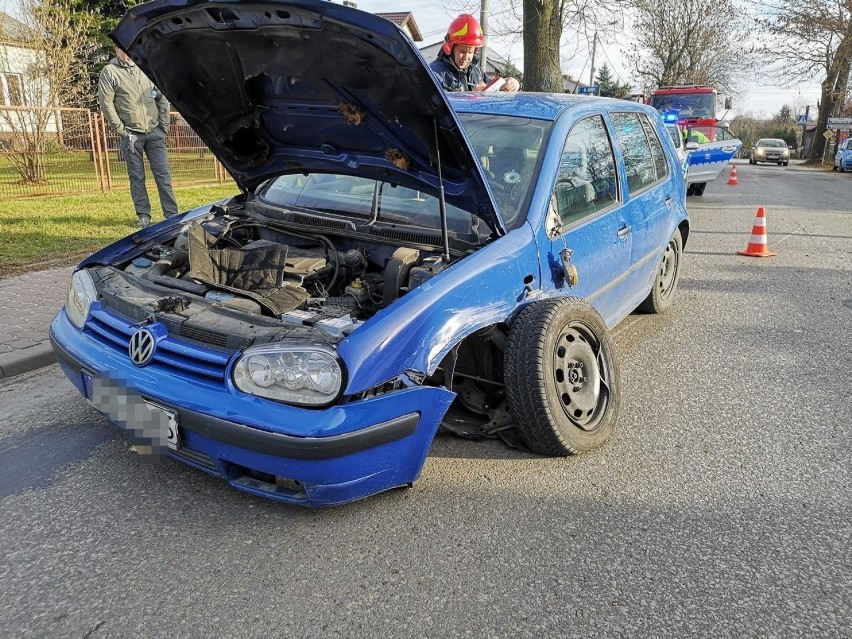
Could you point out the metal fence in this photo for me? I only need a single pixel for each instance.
(67, 151)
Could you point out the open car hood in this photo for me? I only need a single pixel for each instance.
(306, 86)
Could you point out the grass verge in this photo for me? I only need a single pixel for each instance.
(46, 232)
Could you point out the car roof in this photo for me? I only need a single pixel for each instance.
(542, 106)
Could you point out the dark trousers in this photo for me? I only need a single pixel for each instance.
(153, 144)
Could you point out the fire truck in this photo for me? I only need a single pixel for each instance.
(694, 104)
(692, 110)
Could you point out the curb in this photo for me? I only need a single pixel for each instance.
(26, 360)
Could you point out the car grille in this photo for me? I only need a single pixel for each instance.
(188, 359)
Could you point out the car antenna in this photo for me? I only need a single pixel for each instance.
(442, 205)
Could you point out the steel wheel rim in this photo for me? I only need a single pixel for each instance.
(668, 270)
(581, 374)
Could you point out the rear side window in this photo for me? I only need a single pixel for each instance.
(585, 182)
(638, 162)
(657, 153)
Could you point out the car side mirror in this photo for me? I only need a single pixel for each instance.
(729, 104)
(691, 146)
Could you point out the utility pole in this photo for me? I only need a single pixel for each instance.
(594, 46)
(805, 128)
(483, 21)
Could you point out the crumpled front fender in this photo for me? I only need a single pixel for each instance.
(416, 331)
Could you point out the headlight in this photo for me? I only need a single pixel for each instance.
(81, 294)
(306, 375)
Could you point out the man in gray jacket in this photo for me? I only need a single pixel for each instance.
(139, 113)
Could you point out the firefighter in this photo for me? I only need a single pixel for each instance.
(457, 64)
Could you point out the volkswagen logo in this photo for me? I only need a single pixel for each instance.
(141, 347)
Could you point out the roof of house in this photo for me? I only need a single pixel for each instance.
(11, 29)
(404, 19)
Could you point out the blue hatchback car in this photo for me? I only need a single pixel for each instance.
(843, 157)
(398, 258)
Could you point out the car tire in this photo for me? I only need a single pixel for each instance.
(786, 164)
(667, 276)
(750, 161)
(841, 169)
(689, 191)
(780, 164)
(698, 189)
(562, 378)
(834, 168)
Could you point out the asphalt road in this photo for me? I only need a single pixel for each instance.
(720, 508)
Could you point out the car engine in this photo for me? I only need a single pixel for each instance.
(299, 277)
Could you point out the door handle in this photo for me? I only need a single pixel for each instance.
(669, 201)
(624, 230)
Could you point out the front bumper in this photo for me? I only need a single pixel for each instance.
(316, 457)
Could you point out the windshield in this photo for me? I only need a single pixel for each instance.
(687, 105)
(366, 201)
(772, 143)
(507, 148)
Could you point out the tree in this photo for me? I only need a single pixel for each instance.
(818, 43)
(510, 70)
(51, 48)
(542, 36)
(100, 17)
(546, 27)
(687, 42)
(609, 86)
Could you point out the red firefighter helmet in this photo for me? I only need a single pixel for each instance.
(463, 30)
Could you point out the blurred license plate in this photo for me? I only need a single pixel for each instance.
(170, 433)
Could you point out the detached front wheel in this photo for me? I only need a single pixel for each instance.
(562, 378)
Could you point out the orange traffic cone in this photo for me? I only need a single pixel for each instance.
(733, 178)
(757, 246)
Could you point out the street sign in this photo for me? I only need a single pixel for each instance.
(802, 119)
(594, 90)
(827, 134)
(839, 123)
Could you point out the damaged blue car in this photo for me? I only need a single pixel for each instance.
(397, 259)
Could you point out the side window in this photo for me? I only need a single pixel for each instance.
(638, 163)
(585, 182)
(657, 153)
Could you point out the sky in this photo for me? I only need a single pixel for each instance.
(761, 97)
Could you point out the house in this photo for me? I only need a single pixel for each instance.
(570, 85)
(405, 21)
(15, 58)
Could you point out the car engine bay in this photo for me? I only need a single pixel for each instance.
(233, 262)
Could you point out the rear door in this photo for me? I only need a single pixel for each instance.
(650, 193)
